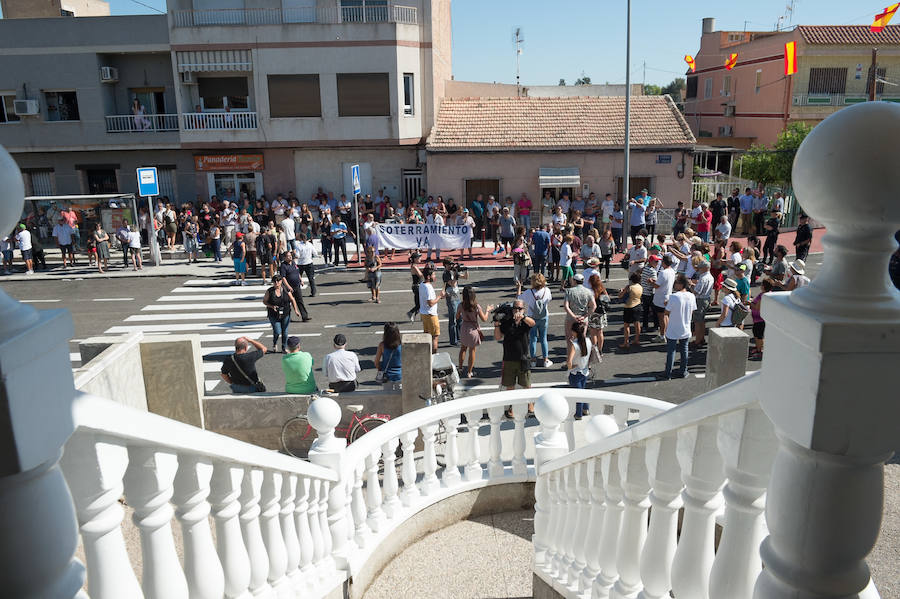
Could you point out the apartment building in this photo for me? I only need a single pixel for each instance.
(225, 97)
(755, 101)
(38, 9)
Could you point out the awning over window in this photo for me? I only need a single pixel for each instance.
(203, 61)
(560, 177)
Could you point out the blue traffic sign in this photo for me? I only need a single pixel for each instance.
(148, 181)
(354, 171)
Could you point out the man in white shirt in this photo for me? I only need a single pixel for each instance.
(723, 229)
(637, 255)
(607, 207)
(303, 252)
(228, 221)
(341, 366)
(703, 289)
(662, 289)
(592, 269)
(288, 227)
(23, 238)
(63, 233)
(279, 205)
(679, 309)
(564, 203)
(428, 301)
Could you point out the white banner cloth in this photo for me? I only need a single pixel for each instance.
(412, 236)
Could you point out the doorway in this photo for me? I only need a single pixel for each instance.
(236, 187)
(486, 187)
(635, 185)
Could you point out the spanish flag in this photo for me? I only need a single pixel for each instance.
(690, 61)
(790, 58)
(731, 61)
(882, 19)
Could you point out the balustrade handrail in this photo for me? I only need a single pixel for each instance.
(372, 441)
(738, 394)
(138, 428)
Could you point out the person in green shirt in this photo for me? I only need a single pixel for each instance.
(297, 367)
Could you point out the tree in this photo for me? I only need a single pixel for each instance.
(583, 80)
(766, 166)
(676, 88)
(652, 90)
(562, 82)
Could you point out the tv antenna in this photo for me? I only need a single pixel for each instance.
(518, 39)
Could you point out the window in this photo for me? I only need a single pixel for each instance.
(758, 79)
(294, 96)
(166, 178)
(408, 94)
(735, 37)
(691, 90)
(880, 73)
(7, 109)
(41, 182)
(363, 94)
(218, 92)
(102, 180)
(827, 81)
(61, 106)
(707, 88)
(726, 85)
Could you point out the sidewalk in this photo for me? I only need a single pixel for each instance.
(482, 258)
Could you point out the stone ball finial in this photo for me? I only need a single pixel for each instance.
(600, 427)
(324, 414)
(846, 170)
(12, 192)
(551, 408)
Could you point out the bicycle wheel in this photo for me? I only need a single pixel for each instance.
(297, 437)
(365, 425)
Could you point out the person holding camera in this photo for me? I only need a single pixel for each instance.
(239, 369)
(428, 301)
(416, 273)
(453, 297)
(514, 331)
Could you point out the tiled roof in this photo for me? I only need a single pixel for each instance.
(849, 35)
(556, 123)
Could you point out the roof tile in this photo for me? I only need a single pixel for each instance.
(849, 35)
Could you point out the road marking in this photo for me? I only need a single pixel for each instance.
(202, 307)
(627, 379)
(212, 366)
(196, 316)
(40, 301)
(496, 386)
(113, 299)
(212, 297)
(383, 291)
(198, 289)
(210, 385)
(235, 327)
(75, 356)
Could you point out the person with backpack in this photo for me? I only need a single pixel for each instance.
(733, 311)
(537, 305)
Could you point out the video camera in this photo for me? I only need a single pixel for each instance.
(502, 312)
(456, 267)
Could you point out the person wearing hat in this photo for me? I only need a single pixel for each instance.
(341, 366)
(468, 221)
(796, 276)
(291, 274)
(239, 255)
(637, 255)
(23, 239)
(742, 279)
(297, 367)
(730, 301)
(703, 289)
(593, 268)
(803, 237)
(648, 275)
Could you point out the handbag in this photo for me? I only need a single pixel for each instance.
(379, 375)
(258, 385)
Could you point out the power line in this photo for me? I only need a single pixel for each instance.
(162, 12)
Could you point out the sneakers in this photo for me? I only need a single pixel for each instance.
(548, 363)
(659, 339)
(29, 272)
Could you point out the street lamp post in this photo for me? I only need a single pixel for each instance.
(625, 183)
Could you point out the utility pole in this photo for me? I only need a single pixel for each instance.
(873, 75)
(626, 191)
(644, 78)
(518, 40)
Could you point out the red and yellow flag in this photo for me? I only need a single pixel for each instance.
(790, 58)
(690, 61)
(731, 61)
(883, 18)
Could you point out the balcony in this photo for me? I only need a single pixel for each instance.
(222, 121)
(389, 13)
(147, 122)
(837, 99)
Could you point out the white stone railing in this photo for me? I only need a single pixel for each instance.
(373, 499)
(270, 511)
(383, 13)
(146, 122)
(199, 121)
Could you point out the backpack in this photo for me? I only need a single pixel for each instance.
(541, 307)
(739, 313)
(166, 218)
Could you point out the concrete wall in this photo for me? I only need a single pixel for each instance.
(173, 377)
(518, 171)
(113, 370)
(315, 168)
(38, 9)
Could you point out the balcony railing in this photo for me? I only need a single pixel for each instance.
(146, 122)
(195, 121)
(838, 99)
(389, 13)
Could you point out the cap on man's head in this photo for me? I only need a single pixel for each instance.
(639, 238)
(22, 227)
(644, 190)
(293, 342)
(340, 340)
(238, 235)
(654, 258)
(579, 277)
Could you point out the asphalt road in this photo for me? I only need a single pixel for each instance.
(220, 312)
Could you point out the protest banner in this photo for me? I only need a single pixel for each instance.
(412, 236)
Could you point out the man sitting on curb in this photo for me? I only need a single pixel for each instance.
(239, 369)
(298, 369)
(341, 366)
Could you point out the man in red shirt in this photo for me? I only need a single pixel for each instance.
(523, 212)
(703, 222)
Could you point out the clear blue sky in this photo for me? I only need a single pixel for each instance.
(564, 38)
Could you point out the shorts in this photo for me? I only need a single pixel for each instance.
(520, 273)
(515, 372)
(7, 255)
(567, 272)
(658, 309)
(26, 254)
(759, 330)
(606, 219)
(134, 251)
(66, 249)
(632, 315)
(431, 325)
(505, 240)
(700, 312)
(240, 266)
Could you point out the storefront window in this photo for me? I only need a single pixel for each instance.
(234, 187)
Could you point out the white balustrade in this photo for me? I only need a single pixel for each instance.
(495, 463)
(375, 515)
(289, 528)
(390, 484)
(270, 526)
(225, 501)
(473, 470)
(633, 473)
(582, 520)
(554, 549)
(304, 533)
(217, 121)
(205, 577)
(358, 505)
(151, 123)
(410, 492)
(316, 533)
(451, 476)
(570, 523)
(519, 464)
(665, 500)
(593, 529)
(251, 486)
(612, 523)
(430, 481)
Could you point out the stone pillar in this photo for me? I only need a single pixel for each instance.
(726, 356)
(416, 370)
(173, 377)
(830, 376)
(36, 391)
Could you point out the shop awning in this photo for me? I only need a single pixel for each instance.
(559, 177)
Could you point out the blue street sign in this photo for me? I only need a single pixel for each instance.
(148, 182)
(354, 171)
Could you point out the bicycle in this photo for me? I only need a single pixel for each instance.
(297, 434)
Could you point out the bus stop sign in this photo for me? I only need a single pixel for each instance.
(148, 182)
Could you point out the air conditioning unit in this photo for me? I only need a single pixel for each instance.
(187, 78)
(26, 107)
(109, 74)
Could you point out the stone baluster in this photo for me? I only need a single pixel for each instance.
(389, 484)
(270, 525)
(148, 489)
(703, 475)
(410, 492)
(613, 507)
(304, 533)
(569, 424)
(374, 515)
(747, 443)
(665, 500)
(358, 507)
(328, 451)
(570, 523)
(450, 476)
(332, 531)
(633, 471)
(316, 533)
(94, 470)
(251, 487)
(519, 464)
(555, 519)
(582, 521)
(430, 481)
(473, 470)
(204, 574)
(836, 346)
(549, 444)
(289, 527)
(495, 462)
(224, 498)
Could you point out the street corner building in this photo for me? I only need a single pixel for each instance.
(513, 145)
